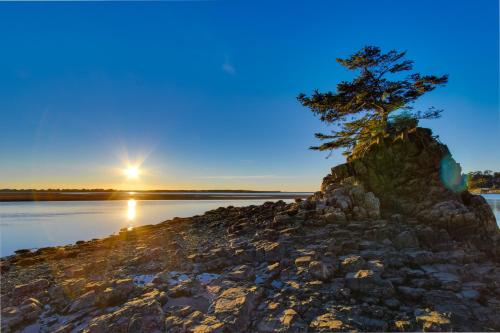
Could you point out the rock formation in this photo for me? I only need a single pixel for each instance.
(413, 174)
(370, 252)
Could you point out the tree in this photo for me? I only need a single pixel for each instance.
(486, 179)
(371, 105)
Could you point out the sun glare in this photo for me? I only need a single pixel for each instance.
(131, 209)
(132, 172)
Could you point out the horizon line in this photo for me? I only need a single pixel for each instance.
(131, 190)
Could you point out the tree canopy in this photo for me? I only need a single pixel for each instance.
(371, 104)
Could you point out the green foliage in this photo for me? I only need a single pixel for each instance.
(366, 107)
(402, 121)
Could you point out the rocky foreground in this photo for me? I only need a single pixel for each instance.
(406, 251)
(329, 263)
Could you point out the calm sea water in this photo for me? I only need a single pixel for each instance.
(494, 201)
(39, 224)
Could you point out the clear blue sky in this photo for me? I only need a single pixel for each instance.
(203, 93)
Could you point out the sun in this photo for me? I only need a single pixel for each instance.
(132, 172)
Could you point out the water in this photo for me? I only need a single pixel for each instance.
(222, 193)
(39, 224)
(494, 201)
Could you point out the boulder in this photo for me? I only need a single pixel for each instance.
(335, 216)
(234, 307)
(434, 322)
(241, 273)
(411, 294)
(328, 322)
(32, 288)
(352, 263)
(368, 282)
(303, 261)
(16, 317)
(287, 321)
(321, 270)
(86, 300)
(350, 200)
(406, 239)
(413, 174)
(269, 251)
(117, 293)
(137, 315)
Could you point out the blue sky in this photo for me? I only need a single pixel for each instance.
(203, 93)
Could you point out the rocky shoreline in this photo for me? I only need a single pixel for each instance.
(384, 251)
(306, 266)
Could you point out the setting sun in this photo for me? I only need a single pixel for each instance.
(173, 167)
(132, 172)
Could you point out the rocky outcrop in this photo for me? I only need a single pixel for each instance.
(413, 174)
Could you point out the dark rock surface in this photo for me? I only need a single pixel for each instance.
(271, 268)
(413, 174)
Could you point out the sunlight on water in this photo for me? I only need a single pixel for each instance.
(131, 213)
(38, 224)
(494, 202)
(131, 209)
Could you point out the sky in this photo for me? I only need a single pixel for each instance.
(202, 95)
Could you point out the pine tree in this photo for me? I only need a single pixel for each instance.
(371, 105)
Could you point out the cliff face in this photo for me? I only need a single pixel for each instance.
(415, 175)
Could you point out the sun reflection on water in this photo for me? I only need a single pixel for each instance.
(131, 213)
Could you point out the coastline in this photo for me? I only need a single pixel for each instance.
(119, 195)
(186, 273)
(479, 191)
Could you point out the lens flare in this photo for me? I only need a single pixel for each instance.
(451, 176)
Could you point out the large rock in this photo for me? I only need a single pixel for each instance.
(434, 322)
(287, 321)
(328, 323)
(32, 288)
(321, 270)
(414, 174)
(138, 315)
(29, 310)
(405, 239)
(116, 294)
(234, 307)
(347, 201)
(369, 282)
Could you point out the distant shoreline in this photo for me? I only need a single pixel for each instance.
(19, 196)
(480, 191)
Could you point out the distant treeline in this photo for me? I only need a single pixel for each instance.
(148, 191)
(58, 190)
(484, 180)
